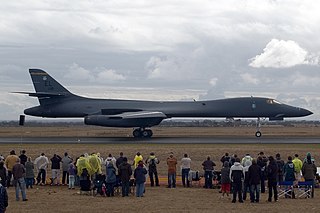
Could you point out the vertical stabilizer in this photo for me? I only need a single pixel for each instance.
(44, 83)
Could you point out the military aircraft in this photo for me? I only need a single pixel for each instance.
(57, 102)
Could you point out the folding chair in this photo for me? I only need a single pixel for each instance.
(286, 189)
(306, 189)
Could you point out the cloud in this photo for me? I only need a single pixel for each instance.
(109, 75)
(248, 78)
(213, 81)
(77, 73)
(283, 54)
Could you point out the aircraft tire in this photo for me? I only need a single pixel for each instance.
(136, 133)
(145, 134)
(150, 133)
(258, 134)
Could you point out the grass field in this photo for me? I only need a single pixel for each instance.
(60, 199)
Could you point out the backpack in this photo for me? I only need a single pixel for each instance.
(152, 164)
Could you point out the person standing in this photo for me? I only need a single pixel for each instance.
(136, 159)
(10, 162)
(254, 176)
(41, 163)
(23, 157)
(3, 198)
(172, 170)
(152, 162)
(262, 161)
(72, 172)
(236, 177)
(289, 174)
(225, 179)
(246, 185)
(19, 173)
(185, 169)
(125, 173)
(297, 167)
(208, 167)
(280, 164)
(3, 174)
(309, 171)
(110, 179)
(29, 173)
(66, 160)
(140, 177)
(272, 172)
(119, 160)
(55, 169)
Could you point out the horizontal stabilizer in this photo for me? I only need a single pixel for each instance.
(40, 94)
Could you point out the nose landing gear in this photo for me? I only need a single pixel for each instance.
(258, 127)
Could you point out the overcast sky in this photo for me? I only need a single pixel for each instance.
(162, 50)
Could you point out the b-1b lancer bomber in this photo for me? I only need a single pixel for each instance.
(57, 102)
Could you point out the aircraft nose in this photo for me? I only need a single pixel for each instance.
(305, 112)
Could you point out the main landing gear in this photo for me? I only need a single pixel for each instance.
(258, 126)
(142, 133)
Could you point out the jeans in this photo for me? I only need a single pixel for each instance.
(125, 188)
(208, 179)
(139, 189)
(155, 173)
(255, 193)
(41, 176)
(29, 182)
(172, 180)
(71, 181)
(246, 188)
(185, 176)
(20, 185)
(65, 178)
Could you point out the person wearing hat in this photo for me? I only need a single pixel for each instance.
(152, 162)
(10, 162)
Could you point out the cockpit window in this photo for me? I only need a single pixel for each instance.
(272, 101)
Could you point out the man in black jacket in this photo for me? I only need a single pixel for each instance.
(55, 169)
(272, 173)
(125, 173)
(262, 162)
(3, 198)
(254, 174)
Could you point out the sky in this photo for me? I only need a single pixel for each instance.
(162, 50)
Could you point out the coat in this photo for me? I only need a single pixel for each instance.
(254, 174)
(309, 171)
(125, 172)
(111, 174)
(140, 175)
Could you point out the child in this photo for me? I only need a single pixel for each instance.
(29, 173)
(72, 174)
(225, 179)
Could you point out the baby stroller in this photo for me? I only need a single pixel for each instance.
(99, 185)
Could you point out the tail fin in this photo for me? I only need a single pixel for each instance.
(44, 84)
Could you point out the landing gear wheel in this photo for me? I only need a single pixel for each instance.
(145, 133)
(258, 134)
(136, 133)
(150, 133)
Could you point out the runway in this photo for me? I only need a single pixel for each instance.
(158, 140)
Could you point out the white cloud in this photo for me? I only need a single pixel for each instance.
(283, 54)
(109, 75)
(213, 81)
(248, 78)
(75, 72)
